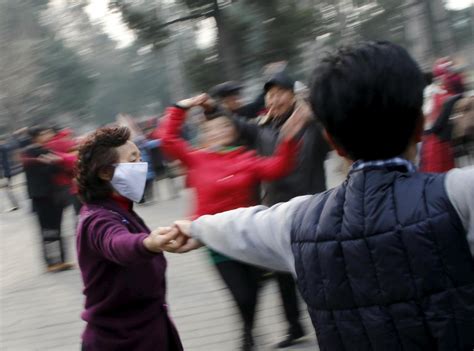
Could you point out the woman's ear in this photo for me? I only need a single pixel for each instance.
(106, 173)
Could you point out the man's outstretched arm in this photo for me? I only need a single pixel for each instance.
(256, 235)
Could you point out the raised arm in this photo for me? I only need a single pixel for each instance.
(284, 159)
(174, 146)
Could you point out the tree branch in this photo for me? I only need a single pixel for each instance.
(186, 18)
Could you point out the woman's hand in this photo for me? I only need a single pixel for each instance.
(208, 105)
(164, 239)
(195, 101)
(174, 239)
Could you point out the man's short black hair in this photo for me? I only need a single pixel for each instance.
(369, 98)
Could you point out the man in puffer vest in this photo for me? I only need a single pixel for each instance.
(385, 260)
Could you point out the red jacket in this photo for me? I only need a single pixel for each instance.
(223, 180)
(62, 144)
(437, 156)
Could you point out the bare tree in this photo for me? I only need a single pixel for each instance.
(18, 68)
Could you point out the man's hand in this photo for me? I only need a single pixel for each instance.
(297, 121)
(184, 227)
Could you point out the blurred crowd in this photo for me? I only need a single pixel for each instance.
(449, 119)
(47, 155)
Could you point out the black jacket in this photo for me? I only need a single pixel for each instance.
(252, 109)
(308, 176)
(442, 128)
(39, 176)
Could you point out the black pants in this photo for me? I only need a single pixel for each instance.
(50, 215)
(289, 298)
(243, 281)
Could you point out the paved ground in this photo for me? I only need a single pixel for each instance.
(40, 311)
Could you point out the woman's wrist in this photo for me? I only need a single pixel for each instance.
(149, 245)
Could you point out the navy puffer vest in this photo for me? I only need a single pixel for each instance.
(383, 263)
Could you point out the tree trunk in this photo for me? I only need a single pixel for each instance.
(173, 61)
(441, 34)
(225, 47)
(417, 32)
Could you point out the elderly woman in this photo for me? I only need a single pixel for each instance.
(122, 264)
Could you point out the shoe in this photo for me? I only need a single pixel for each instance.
(247, 342)
(59, 267)
(292, 338)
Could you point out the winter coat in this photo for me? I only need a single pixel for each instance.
(383, 264)
(124, 283)
(307, 177)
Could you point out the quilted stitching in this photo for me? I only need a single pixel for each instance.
(380, 256)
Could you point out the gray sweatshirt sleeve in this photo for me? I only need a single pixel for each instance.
(257, 235)
(460, 189)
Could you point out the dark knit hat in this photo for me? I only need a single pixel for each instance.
(225, 89)
(281, 80)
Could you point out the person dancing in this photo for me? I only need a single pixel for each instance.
(226, 177)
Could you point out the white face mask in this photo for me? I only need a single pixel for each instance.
(129, 179)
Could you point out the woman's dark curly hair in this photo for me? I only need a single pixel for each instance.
(97, 153)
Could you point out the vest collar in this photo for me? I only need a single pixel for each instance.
(395, 162)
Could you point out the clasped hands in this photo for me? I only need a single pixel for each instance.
(176, 239)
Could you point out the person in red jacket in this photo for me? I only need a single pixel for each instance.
(42, 167)
(226, 177)
(437, 154)
(64, 143)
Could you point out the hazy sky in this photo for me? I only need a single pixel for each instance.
(458, 4)
(112, 24)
